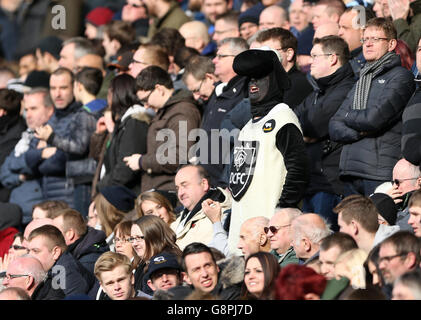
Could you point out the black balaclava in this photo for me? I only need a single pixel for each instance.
(268, 79)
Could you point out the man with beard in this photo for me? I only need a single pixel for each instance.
(271, 142)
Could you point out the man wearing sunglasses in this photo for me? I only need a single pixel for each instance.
(279, 233)
(406, 180)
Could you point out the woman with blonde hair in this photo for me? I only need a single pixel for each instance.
(156, 204)
(150, 235)
(350, 264)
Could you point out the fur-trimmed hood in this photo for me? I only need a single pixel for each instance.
(231, 271)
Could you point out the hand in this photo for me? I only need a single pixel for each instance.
(212, 210)
(100, 125)
(4, 263)
(41, 144)
(22, 177)
(48, 152)
(399, 9)
(133, 161)
(395, 194)
(44, 132)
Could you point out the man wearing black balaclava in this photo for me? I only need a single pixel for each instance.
(269, 165)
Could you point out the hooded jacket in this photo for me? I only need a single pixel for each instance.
(372, 137)
(88, 248)
(179, 116)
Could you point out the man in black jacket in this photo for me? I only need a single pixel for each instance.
(47, 244)
(86, 244)
(204, 274)
(369, 121)
(284, 42)
(332, 78)
(228, 92)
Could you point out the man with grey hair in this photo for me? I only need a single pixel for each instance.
(74, 49)
(253, 237)
(15, 173)
(279, 233)
(14, 293)
(228, 92)
(24, 272)
(307, 231)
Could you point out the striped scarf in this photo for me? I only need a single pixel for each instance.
(367, 73)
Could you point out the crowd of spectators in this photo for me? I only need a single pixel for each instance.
(215, 149)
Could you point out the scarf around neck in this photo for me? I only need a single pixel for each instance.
(367, 74)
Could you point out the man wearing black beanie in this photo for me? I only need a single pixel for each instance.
(269, 166)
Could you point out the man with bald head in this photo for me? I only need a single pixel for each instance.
(279, 233)
(273, 17)
(307, 231)
(32, 226)
(197, 37)
(327, 29)
(253, 237)
(24, 272)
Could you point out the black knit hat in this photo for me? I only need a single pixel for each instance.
(52, 45)
(120, 197)
(385, 206)
(247, 18)
(37, 79)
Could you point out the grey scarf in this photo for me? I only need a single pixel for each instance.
(367, 73)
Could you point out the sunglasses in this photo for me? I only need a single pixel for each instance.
(16, 247)
(274, 229)
(399, 181)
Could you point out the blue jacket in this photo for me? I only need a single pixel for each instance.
(24, 193)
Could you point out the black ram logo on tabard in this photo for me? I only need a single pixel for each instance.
(242, 167)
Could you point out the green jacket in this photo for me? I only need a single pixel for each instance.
(409, 30)
(174, 18)
(287, 258)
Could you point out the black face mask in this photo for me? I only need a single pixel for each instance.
(258, 89)
(264, 94)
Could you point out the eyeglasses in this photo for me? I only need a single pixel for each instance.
(314, 56)
(390, 258)
(137, 238)
(220, 56)
(274, 229)
(372, 40)
(122, 240)
(16, 247)
(137, 61)
(198, 89)
(8, 277)
(399, 181)
(146, 99)
(134, 5)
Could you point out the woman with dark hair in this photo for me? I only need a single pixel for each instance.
(129, 134)
(122, 244)
(298, 282)
(372, 270)
(154, 203)
(150, 235)
(261, 270)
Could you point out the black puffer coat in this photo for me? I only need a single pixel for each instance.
(372, 137)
